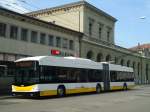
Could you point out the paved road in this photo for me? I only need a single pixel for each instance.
(137, 100)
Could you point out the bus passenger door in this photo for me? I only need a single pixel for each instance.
(106, 77)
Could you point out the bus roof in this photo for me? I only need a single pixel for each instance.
(73, 62)
(114, 67)
(64, 62)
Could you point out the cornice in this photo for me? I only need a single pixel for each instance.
(53, 11)
(69, 7)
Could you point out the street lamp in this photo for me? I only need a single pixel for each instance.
(143, 17)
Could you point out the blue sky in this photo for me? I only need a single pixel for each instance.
(130, 28)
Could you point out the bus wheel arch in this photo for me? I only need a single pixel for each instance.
(98, 88)
(61, 91)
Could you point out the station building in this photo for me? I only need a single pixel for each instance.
(97, 42)
(76, 29)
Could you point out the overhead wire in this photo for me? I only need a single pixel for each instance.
(29, 4)
(14, 5)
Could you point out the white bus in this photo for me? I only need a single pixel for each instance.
(48, 75)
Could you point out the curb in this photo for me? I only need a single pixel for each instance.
(5, 97)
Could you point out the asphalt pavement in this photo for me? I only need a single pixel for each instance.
(135, 100)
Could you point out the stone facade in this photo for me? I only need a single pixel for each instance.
(80, 16)
(98, 36)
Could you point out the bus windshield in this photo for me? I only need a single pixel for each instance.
(26, 73)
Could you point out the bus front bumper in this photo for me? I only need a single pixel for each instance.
(28, 94)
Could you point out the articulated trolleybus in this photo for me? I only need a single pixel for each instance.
(48, 75)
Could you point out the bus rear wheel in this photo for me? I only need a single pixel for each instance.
(98, 89)
(61, 91)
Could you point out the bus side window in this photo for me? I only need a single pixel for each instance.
(90, 73)
(83, 75)
(61, 74)
(98, 76)
(120, 76)
(77, 75)
(113, 76)
(45, 74)
(71, 76)
(94, 76)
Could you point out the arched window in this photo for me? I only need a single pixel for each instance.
(99, 57)
(122, 62)
(128, 63)
(134, 65)
(89, 55)
(116, 60)
(138, 69)
(108, 58)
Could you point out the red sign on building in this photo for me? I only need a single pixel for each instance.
(55, 52)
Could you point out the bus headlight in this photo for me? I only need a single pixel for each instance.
(35, 88)
(13, 88)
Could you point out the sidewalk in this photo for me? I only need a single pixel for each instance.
(5, 97)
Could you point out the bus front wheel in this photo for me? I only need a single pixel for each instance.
(61, 91)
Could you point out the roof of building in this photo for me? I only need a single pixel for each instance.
(25, 18)
(72, 5)
(143, 46)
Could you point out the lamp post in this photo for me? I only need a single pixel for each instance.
(141, 57)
